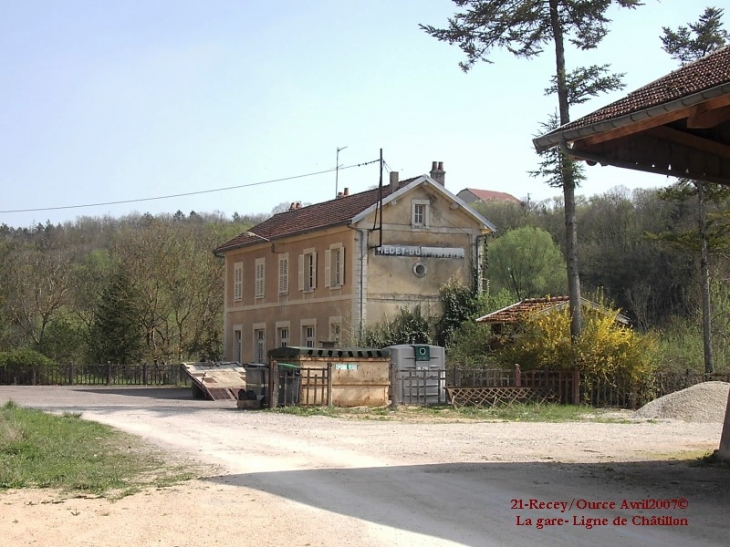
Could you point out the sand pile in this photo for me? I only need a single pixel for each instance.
(702, 403)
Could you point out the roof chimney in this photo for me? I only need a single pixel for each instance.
(393, 181)
(346, 192)
(437, 172)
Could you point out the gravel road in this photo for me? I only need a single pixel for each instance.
(289, 480)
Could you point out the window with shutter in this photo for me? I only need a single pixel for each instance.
(260, 276)
(284, 274)
(237, 281)
(334, 266)
(308, 270)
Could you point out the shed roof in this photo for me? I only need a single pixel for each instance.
(516, 313)
(289, 352)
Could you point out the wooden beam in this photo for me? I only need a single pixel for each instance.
(702, 118)
(690, 141)
(633, 128)
(649, 123)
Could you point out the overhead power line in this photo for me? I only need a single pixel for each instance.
(184, 194)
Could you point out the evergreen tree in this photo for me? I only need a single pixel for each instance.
(523, 28)
(116, 334)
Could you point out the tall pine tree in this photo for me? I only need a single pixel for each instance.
(524, 27)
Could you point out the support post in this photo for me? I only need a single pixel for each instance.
(329, 384)
(273, 391)
(394, 400)
(576, 387)
(724, 452)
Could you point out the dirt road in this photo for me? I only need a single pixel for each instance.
(288, 480)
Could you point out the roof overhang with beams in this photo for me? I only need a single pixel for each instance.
(677, 126)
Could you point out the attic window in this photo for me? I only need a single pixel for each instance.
(420, 213)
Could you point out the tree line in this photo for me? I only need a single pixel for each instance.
(101, 289)
(145, 287)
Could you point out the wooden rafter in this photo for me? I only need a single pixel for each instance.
(704, 119)
(705, 113)
(691, 141)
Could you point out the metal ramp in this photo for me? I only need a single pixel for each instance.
(217, 381)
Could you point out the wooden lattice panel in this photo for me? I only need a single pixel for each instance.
(496, 396)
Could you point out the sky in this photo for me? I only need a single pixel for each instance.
(136, 100)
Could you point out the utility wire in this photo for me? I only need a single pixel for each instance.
(198, 192)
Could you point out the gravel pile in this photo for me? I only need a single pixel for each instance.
(702, 403)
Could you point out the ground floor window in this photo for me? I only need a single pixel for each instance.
(259, 336)
(308, 336)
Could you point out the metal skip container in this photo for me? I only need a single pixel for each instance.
(419, 375)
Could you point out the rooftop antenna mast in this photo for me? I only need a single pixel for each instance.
(337, 169)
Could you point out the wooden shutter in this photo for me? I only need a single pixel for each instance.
(327, 267)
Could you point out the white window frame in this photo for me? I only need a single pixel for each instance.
(416, 205)
(306, 339)
(334, 266)
(284, 273)
(308, 270)
(283, 336)
(237, 281)
(259, 343)
(259, 285)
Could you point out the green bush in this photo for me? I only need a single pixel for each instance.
(470, 345)
(23, 357)
(23, 366)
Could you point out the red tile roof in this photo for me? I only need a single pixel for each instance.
(710, 71)
(491, 195)
(313, 217)
(517, 312)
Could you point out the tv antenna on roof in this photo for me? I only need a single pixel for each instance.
(337, 169)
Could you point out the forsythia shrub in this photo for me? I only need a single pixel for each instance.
(605, 351)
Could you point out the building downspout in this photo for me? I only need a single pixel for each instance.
(479, 242)
(363, 252)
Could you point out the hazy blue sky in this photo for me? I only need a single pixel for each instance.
(103, 101)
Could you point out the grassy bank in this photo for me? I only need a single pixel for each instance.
(66, 452)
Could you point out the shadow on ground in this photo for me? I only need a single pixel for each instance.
(176, 393)
(478, 503)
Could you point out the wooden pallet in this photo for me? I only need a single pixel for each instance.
(487, 397)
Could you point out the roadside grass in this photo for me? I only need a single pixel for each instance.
(43, 450)
(513, 413)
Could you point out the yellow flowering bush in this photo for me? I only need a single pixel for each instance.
(606, 351)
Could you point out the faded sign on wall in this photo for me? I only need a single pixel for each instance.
(422, 252)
